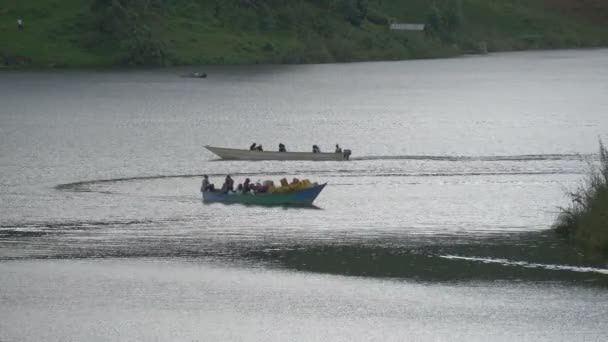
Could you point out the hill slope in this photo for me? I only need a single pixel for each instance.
(150, 32)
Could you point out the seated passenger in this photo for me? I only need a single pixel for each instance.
(316, 149)
(228, 185)
(282, 148)
(338, 149)
(239, 188)
(205, 184)
(260, 188)
(347, 154)
(259, 148)
(268, 186)
(252, 147)
(246, 186)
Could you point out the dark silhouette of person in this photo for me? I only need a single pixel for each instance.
(206, 185)
(246, 186)
(228, 184)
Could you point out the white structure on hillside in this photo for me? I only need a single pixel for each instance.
(406, 27)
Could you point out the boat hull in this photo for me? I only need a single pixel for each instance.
(298, 197)
(239, 154)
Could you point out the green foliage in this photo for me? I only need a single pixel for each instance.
(143, 49)
(124, 21)
(266, 19)
(354, 11)
(444, 22)
(452, 16)
(285, 19)
(159, 32)
(586, 219)
(377, 17)
(323, 26)
(113, 17)
(433, 21)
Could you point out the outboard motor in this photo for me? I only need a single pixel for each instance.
(346, 154)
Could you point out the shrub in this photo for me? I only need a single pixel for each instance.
(285, 19)
(354, 11)
(586, 219)
(143, 49)
(377, 18)
(452, 16)
(266, 20)
(113, 18)
(323, 26)
(433, 21)
(444, 23)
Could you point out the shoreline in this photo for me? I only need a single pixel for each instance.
(118, 67)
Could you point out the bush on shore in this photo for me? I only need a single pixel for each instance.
(586, 219)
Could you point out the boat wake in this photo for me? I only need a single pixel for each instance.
(525, 264)
(41, 228)
(523, 157)
(87, 186)
(84, 186)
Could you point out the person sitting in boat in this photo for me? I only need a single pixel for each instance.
(246, 186)
(206, 185)
(282, 148)
(259, 148)
(316, 149)
(267, 186)
(257, 187)
(347, 154)
(228, 185)
(338, 149)
(239, 188)
(252, 147)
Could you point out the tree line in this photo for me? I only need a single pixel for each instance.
(127, 23)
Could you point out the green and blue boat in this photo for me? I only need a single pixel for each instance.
(302, 197)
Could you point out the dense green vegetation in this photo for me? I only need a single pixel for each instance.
(586, 220)
(165, 32)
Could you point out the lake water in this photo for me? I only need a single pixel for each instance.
(436, 230)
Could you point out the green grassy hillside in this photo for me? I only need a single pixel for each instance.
(176, 32)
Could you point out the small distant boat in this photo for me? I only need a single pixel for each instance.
(303, 197)
(241, 154)
(195, 75)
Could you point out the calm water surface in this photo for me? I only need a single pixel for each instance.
(437, 230)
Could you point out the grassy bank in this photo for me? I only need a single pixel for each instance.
(586, 219)
(166, 32)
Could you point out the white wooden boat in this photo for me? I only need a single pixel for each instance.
(241, 154)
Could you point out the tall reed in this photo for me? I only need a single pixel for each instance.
(585, 220)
